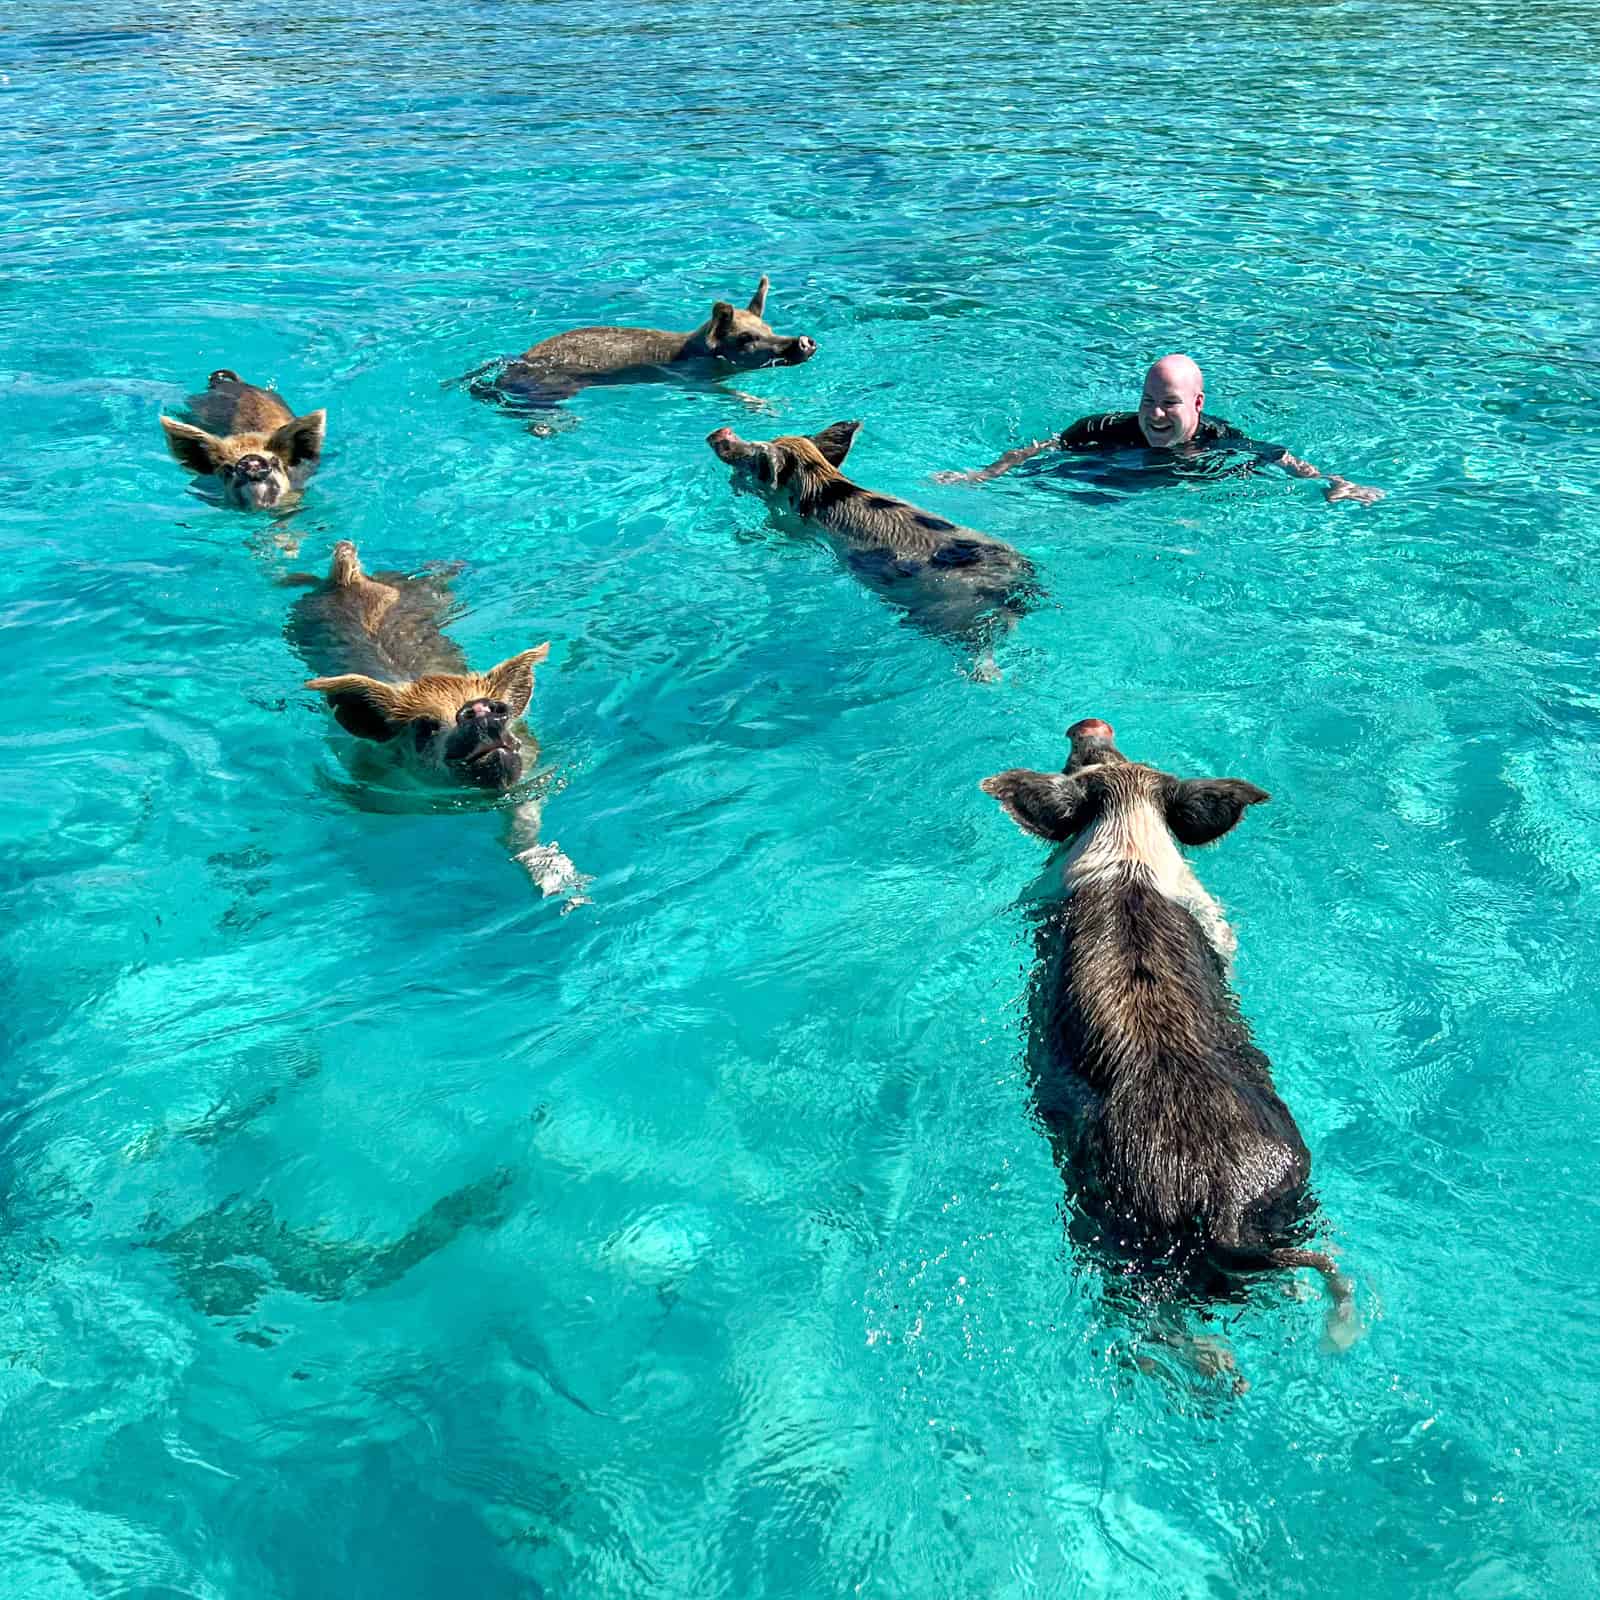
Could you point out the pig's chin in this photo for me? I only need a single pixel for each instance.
(259, 496)
(498, 766)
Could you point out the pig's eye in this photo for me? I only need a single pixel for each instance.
(424, 730)
(746, 338)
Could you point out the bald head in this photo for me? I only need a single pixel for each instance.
(1174, 396)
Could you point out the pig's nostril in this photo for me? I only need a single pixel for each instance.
(809, 346)
(1090, 728)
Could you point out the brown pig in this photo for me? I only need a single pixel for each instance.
(729, 340)
(401, 685)
(249, 439)
(949, 580)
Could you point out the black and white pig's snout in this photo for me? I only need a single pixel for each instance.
(801, 349)
(1092, 743)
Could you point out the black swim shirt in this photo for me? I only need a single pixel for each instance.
(1217, 450)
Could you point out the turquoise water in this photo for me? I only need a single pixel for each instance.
(371, 1228)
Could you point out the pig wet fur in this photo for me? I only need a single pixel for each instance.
(949, 580)
(247, 438)
(555, 369)
(1158, 1104)
(401, 685)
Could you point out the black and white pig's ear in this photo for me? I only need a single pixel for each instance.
(361, 705)
(299, 442)
(193, 446)
(512, 680)
(835, 440)
(1202, 809)
(721, 323)
(1049, 804)
(758, 301)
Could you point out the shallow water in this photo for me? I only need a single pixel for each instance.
(369, 1227)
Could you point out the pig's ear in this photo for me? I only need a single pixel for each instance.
(1049, 804)
(1202, 809)
(300, 441)
(362, 706)
(193, 446)
(835, 440)
(721, 319)
(512, 680)
(758, 301)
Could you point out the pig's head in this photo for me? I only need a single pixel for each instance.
(256, 469)
(463, 729)
(786, 468)
(742, 339)
(1119, 813)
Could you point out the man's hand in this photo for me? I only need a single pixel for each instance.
(1338, 488)
(1006, 462)
(1342, 489)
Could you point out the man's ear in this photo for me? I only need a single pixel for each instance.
(721, 319)
(1202, 809)
(835, 440)
(362, 706)
(758, 301)
(512, 680)
(1049, 804)
(300, 441)
(193, 446)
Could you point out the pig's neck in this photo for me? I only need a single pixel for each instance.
(1135, 841)
(823, 499)
(687, 346)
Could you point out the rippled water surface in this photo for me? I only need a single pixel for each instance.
(368, 1227)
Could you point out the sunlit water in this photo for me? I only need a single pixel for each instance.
(370, 1227)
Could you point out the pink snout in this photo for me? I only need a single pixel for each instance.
(725, 442)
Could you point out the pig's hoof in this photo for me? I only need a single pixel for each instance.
(1343, 1329)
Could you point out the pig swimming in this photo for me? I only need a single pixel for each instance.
(948, 579)
(249, 439)
(1154, 1095)
(401, 685)
(555, 369)
(398, 680)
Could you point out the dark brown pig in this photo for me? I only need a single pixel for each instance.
(1158, 1102)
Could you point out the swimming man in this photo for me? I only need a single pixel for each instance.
(1171, 417)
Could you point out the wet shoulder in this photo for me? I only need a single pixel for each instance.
(1106, 430)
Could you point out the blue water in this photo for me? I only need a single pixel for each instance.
(369, 1227)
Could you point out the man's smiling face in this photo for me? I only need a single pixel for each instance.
(1174, 396)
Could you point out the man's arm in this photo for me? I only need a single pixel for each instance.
(1012, 458)
(1337, 489)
